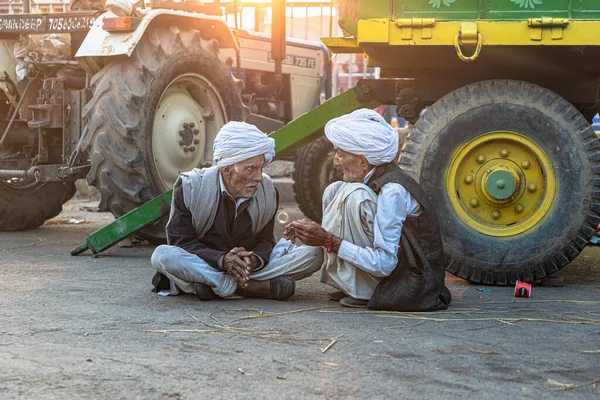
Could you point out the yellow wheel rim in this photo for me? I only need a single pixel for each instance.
(501, 184)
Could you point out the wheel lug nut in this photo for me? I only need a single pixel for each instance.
(504, 153)
(481, 159)
(474, 202)
(495, 214)
(468, 179)
(181, 132)
(186, 149)
(191, 124)
(196, 131)
(525, 164)
(519, 208)
(532, 187)
(196, 141)
(181, 142)
(186, 125)
(192, 148)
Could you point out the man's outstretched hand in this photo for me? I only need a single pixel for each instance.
(309, 232)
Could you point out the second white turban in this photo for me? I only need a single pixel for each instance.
(365, 133)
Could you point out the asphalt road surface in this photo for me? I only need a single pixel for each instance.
(83, 327)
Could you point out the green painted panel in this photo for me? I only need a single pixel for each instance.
(524, 9)
(586, 9)
(375, 9)
(438, 9)
(490, 9)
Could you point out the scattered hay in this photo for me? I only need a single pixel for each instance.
(571, 387)
(508, 321)
(329, 364)
(484, 352)
(564, 318)
(534, 301)
(509, 317)
(333, 341)
(556, 383)
(261, 315)
(221, 327)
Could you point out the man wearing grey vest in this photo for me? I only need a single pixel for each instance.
(220, 229)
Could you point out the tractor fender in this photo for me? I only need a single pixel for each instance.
(99, 44)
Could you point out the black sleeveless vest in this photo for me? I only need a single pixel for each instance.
(417, 282)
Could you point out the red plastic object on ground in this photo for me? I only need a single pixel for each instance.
(522, 289)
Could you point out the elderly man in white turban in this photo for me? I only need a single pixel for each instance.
(379, 234)
(220, 229)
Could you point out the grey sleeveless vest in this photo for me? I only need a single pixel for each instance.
(201, 197)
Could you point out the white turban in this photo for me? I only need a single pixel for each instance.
(365, 133)
(239, 141)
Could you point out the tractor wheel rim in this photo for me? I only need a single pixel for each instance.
(188, 116)
(501, 184)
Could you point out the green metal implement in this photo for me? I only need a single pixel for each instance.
(124, 226)
(299, 131)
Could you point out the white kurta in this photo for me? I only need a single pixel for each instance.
(370, 227)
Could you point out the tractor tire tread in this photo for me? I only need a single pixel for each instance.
(500, 91)
(30, 209)
(115, 144)
(306, 172)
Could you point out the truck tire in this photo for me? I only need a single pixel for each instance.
(28, 206)
(313, 172)
(156, 114)
(513, 170)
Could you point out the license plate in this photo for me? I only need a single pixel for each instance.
(51, 23)
(298, 61)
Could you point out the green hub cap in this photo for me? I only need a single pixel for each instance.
(500, 184)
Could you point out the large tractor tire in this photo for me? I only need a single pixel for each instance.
(156, 114)
(29, 205)
(513, 170)
(313, 172)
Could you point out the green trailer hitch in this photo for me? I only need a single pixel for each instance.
(368, 93)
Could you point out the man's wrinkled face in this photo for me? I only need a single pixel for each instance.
(241, 179)
(354, 167)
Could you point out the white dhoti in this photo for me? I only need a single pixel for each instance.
(183, 268)
(347, 218)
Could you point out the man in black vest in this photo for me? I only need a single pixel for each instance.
(383, 247)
